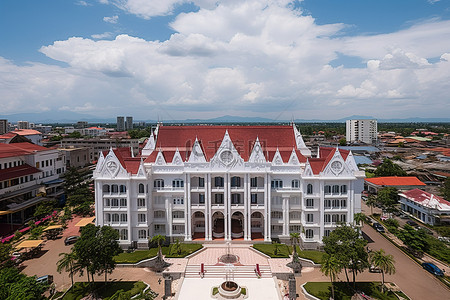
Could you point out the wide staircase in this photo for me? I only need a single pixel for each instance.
(214, 271)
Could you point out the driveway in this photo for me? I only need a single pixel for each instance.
(46, 265)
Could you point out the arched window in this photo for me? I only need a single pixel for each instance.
(309, 188)
(123, 188)
(309, 233)
(124, 234)
(114, 188)
(107, 218)
(123, 218)
(295, 184)
(343, 189)
(141, 188)
(335, 189)
(115, 218)
(106, 188)
(327, 189)
(142, 234)
(327, 218)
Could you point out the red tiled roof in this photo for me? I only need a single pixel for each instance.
(395, 181)
(16, 172)
(19, 149)
(425, 198)
(26, 131)
(182, 138)
(326, 154)
(7, 135)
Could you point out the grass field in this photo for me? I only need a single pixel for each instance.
(342, 291)
(269, 249)
(138, 255)
(104, 291)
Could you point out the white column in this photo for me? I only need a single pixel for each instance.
(249, 207)
(269, 208)
(129, 211)
(208, 203)
(246, 208)
(321, 209)
(99, 220)
(266, 209)
(286, 216)
(188, 229)
(227, 192)
(169, 217)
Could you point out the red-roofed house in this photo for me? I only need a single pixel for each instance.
(28, 172)
(427, 207)
(226, 182)
(401, 183)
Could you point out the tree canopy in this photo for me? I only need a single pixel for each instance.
(388, 168)
(445, 191)
(15, 285)
(388, 197)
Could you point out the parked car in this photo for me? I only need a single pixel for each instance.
(433, 269)
(403, 216)
(378, 227)
(71, 240)
(46, 279)
(412, 223)
(374, 269)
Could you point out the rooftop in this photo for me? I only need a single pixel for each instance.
(427, 199)
(395, 181)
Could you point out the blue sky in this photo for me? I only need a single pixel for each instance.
(321, 59)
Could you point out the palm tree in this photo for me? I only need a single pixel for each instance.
(330, 267)
(371, 201)
(385, 262)
(68, 263)
(359, 219)
(295, 239)
(159, 239)
(177, 247)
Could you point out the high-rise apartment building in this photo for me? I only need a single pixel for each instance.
(120, 124)
(3, 126)
(361, 131)
(129, 123)
(23, 125)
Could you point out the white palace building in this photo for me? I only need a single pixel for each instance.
(226, 183)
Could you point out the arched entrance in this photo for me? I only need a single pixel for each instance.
(257, 222)
(218, 228)
(198, 225)
(237, 225)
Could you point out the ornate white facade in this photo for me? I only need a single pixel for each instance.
(226, 182)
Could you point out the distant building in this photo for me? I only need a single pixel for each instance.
(120, 124)
(402, 183)
(4, 128)
(29, 174)
(23, 125)
(429, 208)
(76, 157)
(43, 128)
(364, 131)
(81, 124)
(25, 134)
(129, 123)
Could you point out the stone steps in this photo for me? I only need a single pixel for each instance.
(193, 271)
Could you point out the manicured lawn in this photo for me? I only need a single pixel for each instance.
(322, 290)
(82, 289)
(315, 256)
(138, 255)
(186, 249)
(268, 249)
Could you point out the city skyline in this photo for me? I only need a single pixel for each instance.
(204, 59)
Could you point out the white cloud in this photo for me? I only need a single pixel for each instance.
(242, 58)
(82, 3)
(112, 20)
(100, 36)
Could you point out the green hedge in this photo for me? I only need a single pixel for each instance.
(322, 290)
(186, 249)
(269, 249)
(104, 291)
(138, 255)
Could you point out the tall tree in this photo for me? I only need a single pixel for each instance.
(15, 285)
(384, 262)
(388, 197)
(371, 201)
(359, 219)
(445, 191)
(331, 267)
(159, 239)
(388, 168)
(295, 239)
(68, 263)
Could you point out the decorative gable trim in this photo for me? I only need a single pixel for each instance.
(301, 146)
(308, 172)
(336, 166)
(197, 155)
(351, 163)
(177, 160)
(160, 160)
(293, 160)
(277, 159)
(227, 155)
(112, 168)
(100, 162)
(257, 155)
(141, 172)
(149, 146)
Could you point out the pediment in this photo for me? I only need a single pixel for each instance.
(160, 160)
(308, 172)
(141, 172)
(257, 155)
(351, 163)
(227, 155)
(112, 168)
(177, 160)
(197, 155)
(277, 159)
(336, 166)
(293, 160)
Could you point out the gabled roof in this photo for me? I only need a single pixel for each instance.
(19, 149)
(129, 163)
(18, 171)
(427, 199)
(210, 137)
(395, 181)
(325, 156)
(26, 132)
